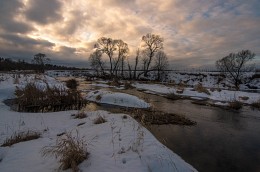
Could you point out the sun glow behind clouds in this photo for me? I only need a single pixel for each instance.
(195, 32)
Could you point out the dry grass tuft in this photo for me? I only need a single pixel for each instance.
(199, 88)
(70, 150)
(172, 96)
(128, 85)
(235, 105)
(72, 84)
(98, 98)
(100, 120)
(21, 137)
(115, 82)
(243, 97)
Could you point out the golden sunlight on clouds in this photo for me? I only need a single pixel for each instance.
(192, 30)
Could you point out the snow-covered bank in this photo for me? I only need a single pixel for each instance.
(119, 99)
(223, 95)
(120, 144)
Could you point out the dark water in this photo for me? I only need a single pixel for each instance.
(221, 141)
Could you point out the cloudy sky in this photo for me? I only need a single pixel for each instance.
(195, 32)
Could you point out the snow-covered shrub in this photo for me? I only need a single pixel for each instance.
(70, 150)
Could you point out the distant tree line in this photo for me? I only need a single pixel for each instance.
(7, 64)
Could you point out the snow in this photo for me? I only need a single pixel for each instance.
(115, 98)
(118, 145)
(223, 95)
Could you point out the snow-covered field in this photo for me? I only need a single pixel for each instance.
(120, 144)
(207, 79)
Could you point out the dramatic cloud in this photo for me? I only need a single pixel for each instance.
(196, 33)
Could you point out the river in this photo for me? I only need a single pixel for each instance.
(222, 140)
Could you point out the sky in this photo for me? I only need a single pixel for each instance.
(196, 32)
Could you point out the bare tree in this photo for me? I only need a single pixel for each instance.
(107, 46)
(151, 43)
(40, 59)
(161, 64)
(129, 69)
(234, 66)
(96, 62)
(122, 52)
(136, 61)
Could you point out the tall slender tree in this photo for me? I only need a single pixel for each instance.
(151, 43)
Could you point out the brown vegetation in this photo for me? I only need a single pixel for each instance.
(199, 88)
(100, 120)
(21, 137)
(235, 105)
(70, 150)
(31, 98)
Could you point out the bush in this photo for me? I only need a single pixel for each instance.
(72, 84)
(21, 137)
(199, 88)
(70, 150)
(235, 105)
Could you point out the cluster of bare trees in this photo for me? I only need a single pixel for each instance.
(149, 57)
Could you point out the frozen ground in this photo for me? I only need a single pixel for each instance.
(120, 144)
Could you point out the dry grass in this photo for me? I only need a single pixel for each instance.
(153, 117)
(100, 120)
(70, 150)
(80, 115)
(21, 137)
(31, 98)
(199, 88)
(114, 82)
(98, 98)
(128, 85)
(235, 105)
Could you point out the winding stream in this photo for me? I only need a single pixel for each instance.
(222, 140)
